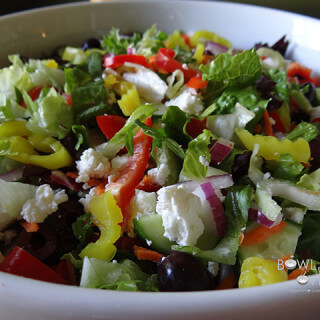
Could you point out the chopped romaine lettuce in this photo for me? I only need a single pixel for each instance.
(197, 159)
(125, 276)
(50, 115)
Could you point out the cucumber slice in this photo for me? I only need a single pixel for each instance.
(276, 246)
(13, 195)
(150, 229)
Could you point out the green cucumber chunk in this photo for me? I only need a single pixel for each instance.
(276, 246)
(150, 229)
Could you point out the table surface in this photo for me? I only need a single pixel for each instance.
(307, 7)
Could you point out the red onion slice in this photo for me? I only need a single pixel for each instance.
(216, 207)
(60, 178)
(220, 150)
(215, 48)
(258, 216)
(13, 175)
(217, 181)
(131, 50)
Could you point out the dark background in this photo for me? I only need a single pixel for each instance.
(307, 7)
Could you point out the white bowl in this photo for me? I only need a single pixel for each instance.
(39, 31)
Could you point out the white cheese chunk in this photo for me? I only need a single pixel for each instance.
(86, 200)
(92, 164)
(188, 101)
(117, 164)
(149, 85)
(143, 203)
(180, 212)
(45, 202)
(160, 174)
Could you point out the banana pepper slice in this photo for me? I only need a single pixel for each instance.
(271, 148)
(107, 216)
(14, 146)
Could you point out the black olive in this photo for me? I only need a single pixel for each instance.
(40, 244)
(182, 272)
(91, 43)
(311, 93)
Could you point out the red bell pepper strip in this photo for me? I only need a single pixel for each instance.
(186, 39)
(123, 187)
(67, 98)
(21, 263)
(278, 126)
(165, 61)
(296, 69)
(196, 127)
(110, 124)
(303, 74)
(197, 83)
(115, 62)
(34, 94)
(267, 125)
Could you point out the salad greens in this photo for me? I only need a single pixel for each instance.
(155, 162)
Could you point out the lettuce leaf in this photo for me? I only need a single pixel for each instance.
(81, 134)
(175, 121)
(152, 40)
(13, 77)
(42, 75)
(50, 115)
(226, 70)
(116, 143)
(310, 181)
(237, 205)
(91, 93)
(197, 158)
(304, 130)
(118, 44)
(286, 168)
(159, 139)
(125, 276)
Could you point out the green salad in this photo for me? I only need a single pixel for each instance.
(160, 162)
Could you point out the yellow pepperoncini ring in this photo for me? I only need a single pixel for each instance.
(271, 148)
(259, 271)
(130, 99)
(107, 216)
(204, 35)
(15, 147)
(14, 128)
(175, 40)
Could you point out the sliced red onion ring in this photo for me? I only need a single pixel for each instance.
(217, 181)
(258, 216)
(215, 48)
(216, 207)
(59, 177)
(220, 150)
(13, 175)
(131, 50)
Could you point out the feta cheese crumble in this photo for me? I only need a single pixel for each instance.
(44, 203)
(86, 200)
(117, 164)
(143, 203)
(204, 161)
(188, 101)
(149, 85)
(160, 174)
(180, 211)
(92, 164)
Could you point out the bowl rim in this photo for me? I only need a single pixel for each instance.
(108, 2)
(8, 280)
